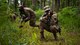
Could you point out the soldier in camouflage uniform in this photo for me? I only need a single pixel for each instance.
(49, 21)
(27, 14)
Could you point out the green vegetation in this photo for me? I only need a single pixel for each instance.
(39, 13)
(11, 34)
(69, 18)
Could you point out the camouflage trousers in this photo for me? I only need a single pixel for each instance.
(56, 27)
(32, 21)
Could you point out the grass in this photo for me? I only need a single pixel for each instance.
(70, 32)
(11, 34)
(33, 36)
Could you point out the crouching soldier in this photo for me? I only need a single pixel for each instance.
(49, 22)
(27, 14)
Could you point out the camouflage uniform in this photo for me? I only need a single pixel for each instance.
(54, 22)
(49, 21)
(27, 14)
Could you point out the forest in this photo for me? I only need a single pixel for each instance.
(68, 12)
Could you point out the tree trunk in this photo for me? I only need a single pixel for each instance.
(15, 4)
(21, 2)
(53, 5)
(79, 4)
(43, 3)
(68, 2)
(56, 5)
(24, 3)
(34, 4)
(49, 2)
(39, 5)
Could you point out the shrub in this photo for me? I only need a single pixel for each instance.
(69, 18)
(39, 13)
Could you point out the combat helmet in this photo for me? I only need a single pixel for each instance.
(47, 8)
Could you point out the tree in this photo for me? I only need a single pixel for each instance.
(53, 6)
(34, 4)
(44, 1)
(15, 4)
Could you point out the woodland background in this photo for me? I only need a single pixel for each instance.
(68, 16)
